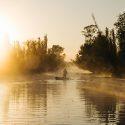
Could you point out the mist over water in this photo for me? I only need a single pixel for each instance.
(85, 99)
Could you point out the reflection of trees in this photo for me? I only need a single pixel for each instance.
(99, 105)
(103, 104)
(34, 94)
(121, 113)
(55, 89)
(4, 104)
(32, 100)
(26, 101)
(37, 94)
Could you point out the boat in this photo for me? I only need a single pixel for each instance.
(61, 78)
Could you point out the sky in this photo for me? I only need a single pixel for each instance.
(61, 20)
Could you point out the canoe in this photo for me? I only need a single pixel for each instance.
(61, 78)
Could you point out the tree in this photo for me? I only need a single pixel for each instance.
(120, 28)
(98, 54)
(120, 32)
(90, 32)
(35, 57)
(55, 57)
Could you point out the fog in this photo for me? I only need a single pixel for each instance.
(99, 83)
(103, 83)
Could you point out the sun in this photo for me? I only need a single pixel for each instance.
(7, 36)
(7, 28)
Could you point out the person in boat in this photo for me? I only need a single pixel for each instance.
(65, 73)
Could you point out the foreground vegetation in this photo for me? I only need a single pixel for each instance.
(103, 52)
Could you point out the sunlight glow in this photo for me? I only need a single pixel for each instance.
(7, 35)
(3, 90)
(6, 27)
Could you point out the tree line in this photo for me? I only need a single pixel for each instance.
(34, 56)
(103, 52)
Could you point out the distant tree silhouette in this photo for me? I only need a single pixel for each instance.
(90, 32)
(55, 57)
(98, 54)
(120, 32)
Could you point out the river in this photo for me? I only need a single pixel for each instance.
(56, 102)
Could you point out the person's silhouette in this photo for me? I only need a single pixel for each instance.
(64, 73)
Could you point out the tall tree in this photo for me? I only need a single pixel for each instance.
(98, 53)
(120, 32)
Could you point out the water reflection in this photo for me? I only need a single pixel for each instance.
(102, 107)
(50, 102)
(28, 102)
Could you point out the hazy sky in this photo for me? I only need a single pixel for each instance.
(62, 20)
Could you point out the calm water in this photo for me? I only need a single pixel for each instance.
(50, 102)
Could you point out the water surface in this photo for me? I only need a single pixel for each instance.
(51, 102)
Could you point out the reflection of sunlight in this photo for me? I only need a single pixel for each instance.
(3, 90)
(3, 101)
